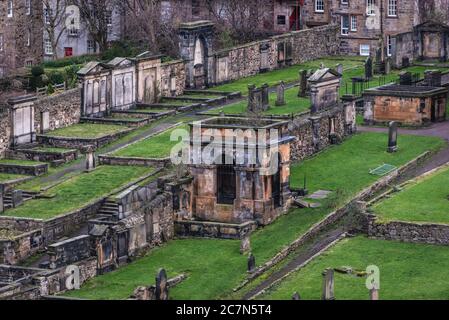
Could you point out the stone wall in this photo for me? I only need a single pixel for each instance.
(63, 109)
(173, 78)
(214, 230)
(273, 53)
(431, 233)
(16, 249)
(5, 129)
(69, 251)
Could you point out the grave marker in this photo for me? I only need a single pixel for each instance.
(280, 92)
(328, 285)
(245, 244)
(296, 296)
(369, 68)
(161, 285)
(392, 137)
(302, 83)
(17, 198)
(251, 263)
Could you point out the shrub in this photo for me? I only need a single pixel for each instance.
(50, 89)
(56, 77)
(65, 62)
(37, 71)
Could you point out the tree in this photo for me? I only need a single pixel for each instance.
(434, 10)
(55, 17)
(97, 15)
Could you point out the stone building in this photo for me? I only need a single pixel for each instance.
(427, 41)
(21, 35)
(405, 104)
(235, 183)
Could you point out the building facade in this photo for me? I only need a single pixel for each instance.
(21, 35)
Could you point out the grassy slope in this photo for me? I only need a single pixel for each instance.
(5, 177)
(289, 74)
(78, 191)
(215, 266)
(347, 166)
(406, 271)
(423, 201)
(158, 146)
(86, 130)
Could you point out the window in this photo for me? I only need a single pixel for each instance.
(370, 7)
(344, 25)
(196, 9)
(91, 47)
(47, 47)
(319, 5)
(73, 31)
(1, 42)
(392, 8)
(10, 8)
(28, 7)
(364, 50)
(281, 20)
(345, 2)
(29, 63)
(389, 46)
(353, 23)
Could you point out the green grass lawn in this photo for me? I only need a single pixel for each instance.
(6, 177)
(78, 192)
(407, 271)
(294, 105)
(346, 167)
(86, 130)
(158, 146)
(289, 74)
(425, 200)
(215, 267)
(52, 150)
(20, 162)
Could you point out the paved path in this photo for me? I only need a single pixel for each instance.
(317, 246)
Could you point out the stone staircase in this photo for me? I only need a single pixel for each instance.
(109, 208)
(26, 196)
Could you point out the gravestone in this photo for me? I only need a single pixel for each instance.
(296, 296)
(302, 83)
(280, 94)
(251, 263)
(405, 78)
(265, 97)
(369, 68)
(17, 198)
(257, 98)
(161, 285)
(388, 64)
(90, 161)
(392, 137)
(328, 285)
(339, 68)
(245, 244)
(405, 62)
(251, 97)
(45, 122)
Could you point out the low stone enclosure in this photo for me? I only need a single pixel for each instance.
(415, 232)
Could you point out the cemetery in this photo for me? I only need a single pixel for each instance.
(87, 179)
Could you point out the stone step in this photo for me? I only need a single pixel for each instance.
(107, 212)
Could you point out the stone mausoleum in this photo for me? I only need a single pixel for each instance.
(406, 104)
(238, 189)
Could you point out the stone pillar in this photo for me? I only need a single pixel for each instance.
(392, 137)
(161, 285)
(89, 151)
(350, 114)
(251, 98)
(251, 263)
(17, 198)
(316, 132)
(374, 294)
(280, 94)
(302, 83)
(265, 97)
(369, 68)
(328, 285)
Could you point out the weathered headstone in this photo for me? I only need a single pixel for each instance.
(302, 83)
(388, 63)
(339, 68)
(17, 198)
(296, 296)
(245, 244)
(161, 285)
(369, 68)
(405, 62)
(280, 94)
(328, 285)
(251, 97)
(265, 97)
(405, 78)
(89, 151)
(392, 137)
(251, 263)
